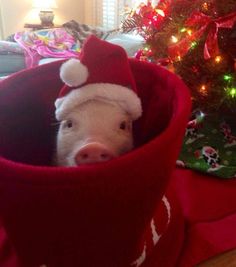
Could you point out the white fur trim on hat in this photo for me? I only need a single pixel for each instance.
(120, 95)
(73, 72)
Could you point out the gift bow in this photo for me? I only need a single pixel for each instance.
(204, 22)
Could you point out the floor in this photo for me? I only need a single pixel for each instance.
(227, 259)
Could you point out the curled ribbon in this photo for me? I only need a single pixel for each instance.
(203, 22)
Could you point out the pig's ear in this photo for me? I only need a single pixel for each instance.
(73, 72)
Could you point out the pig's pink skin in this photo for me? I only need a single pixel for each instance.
(93, 152)
(94, 126)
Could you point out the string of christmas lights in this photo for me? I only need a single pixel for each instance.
(196, 40)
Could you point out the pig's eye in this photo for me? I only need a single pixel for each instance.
(69, 124)
(123, 125)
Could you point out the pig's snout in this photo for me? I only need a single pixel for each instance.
(92, 153)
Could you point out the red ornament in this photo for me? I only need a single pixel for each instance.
(195, 69)
(141, 55)
(150, 16)
(138, 54)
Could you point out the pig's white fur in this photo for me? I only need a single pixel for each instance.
(113, 93)
(93, 121)
(73, 72)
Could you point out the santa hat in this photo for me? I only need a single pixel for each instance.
(101, 73)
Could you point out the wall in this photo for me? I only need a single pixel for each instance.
(1, 26)
(17, 12)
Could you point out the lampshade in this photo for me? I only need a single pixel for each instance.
(44, 4)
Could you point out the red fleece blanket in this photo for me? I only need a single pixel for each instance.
(209, 227)
(136, 210)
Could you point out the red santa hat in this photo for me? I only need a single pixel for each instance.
(102, 72)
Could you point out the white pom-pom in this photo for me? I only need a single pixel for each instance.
(73, 72)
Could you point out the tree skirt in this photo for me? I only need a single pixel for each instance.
(210, 145)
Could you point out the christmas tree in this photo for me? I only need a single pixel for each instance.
(196, 40)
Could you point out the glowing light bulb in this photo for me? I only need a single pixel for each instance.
(228, 77)
(232, 92)
(205, 5)
(179, 58)
(193, 44)
(174, 39)
(189, 32)
(202, 115)
(218, 59)
(203, 89)
(160, 12)
(183, 30)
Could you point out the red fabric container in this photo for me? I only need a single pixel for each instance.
(108, 214)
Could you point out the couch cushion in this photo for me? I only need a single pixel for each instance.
(11, 63)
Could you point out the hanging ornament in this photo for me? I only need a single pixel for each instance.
(195, 69)
(142, 54)
(149, 14)
(209, 7)
(138, 54)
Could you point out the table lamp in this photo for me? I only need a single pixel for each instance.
(46, 14)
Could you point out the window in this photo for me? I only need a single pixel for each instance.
(112, 11)
(107, 13)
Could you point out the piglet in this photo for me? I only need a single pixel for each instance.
(94, 131)
(96, 106)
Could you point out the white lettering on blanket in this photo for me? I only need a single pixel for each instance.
(154, 232)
